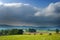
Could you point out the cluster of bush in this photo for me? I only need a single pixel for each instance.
(11, 32)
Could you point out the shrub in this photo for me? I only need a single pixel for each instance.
(41, 33)
(50, 33)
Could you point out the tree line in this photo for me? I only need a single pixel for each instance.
(18, 31)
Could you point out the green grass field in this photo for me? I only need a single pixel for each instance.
(31, 37)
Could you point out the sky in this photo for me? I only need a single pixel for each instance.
(37, 3)
(30, 12)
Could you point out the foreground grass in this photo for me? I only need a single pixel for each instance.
(31, 37)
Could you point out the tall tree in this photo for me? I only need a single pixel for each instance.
(57, 31)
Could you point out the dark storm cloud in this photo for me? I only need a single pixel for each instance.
(19, 13)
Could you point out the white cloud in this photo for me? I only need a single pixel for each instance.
(52, 9)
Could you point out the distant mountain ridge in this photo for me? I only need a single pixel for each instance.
(5, 26)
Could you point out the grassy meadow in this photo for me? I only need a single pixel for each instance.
(31, 37)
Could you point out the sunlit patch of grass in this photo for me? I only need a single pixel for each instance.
(31, 37)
